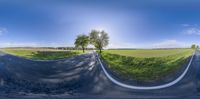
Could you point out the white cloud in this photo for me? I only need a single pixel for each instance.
(2, 30)
(191, 29)
(185, 25)
(121, 45)
(16, 44)
(163, 44)
(33, 44)
(170, 44)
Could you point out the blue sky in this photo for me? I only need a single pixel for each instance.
(129, 23)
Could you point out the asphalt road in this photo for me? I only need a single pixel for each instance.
(80, 77)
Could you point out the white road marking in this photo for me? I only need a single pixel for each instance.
(142, 87)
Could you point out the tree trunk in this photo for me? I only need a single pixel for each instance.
(100, 50)
(83, 49)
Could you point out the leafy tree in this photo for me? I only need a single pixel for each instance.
(197, 47)
(193, 46)
(99, 39)
(82, 41)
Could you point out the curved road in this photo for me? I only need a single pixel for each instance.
(80, 77)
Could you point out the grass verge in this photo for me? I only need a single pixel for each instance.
(146, 69)
(147, 53)
(42, 54)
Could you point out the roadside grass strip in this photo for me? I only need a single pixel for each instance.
(150, 87)
(35, 54)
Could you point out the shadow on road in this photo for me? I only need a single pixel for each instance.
(51, 77)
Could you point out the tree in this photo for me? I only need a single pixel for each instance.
(197, 46)
(99, 39)
(193, 46)
(82, 41)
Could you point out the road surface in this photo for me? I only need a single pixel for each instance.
(80, 77)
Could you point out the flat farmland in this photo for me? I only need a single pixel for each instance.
(41, 54)
(145, 53)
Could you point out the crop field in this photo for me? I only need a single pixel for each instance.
(146, 65)
(42, 54)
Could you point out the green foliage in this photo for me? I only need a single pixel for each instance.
(50, 55)
(99, 39)
(82, 41)
(193, 46)
(145, 69)
(197, 47)
(42, 54)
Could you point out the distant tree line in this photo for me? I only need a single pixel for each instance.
(53, 48)
(72, 48)
(195, 46)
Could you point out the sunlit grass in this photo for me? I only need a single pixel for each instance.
(147, 52)
(42, 54)
(146, 65)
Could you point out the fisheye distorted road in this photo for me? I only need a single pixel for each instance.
(81, 76)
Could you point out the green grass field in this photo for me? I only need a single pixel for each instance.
(146, 65)
(145, 53)
(42, 54)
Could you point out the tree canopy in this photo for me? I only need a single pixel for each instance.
(99, 39)
(82, 41)
(193, 46)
